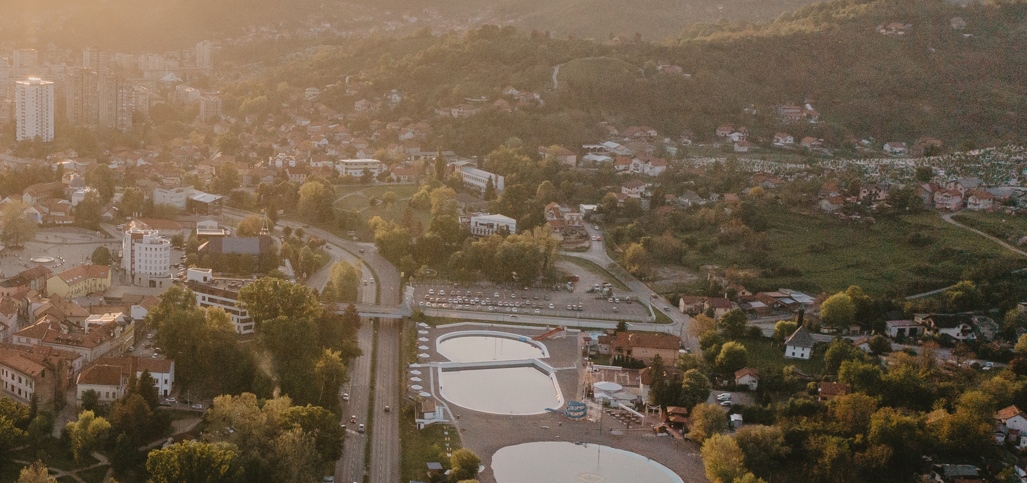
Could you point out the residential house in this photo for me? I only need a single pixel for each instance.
(830, 390)
(720, 306)
(643, 346)
(561, 218)
(725, 130)
(79, 281)
(949, 200)
(561, 154)
(161, 370)
(109, 382)
(748, 377)
(1011, 418)
(957, 326)
(783, 139)
(691, 304)
(811, 143)
(895, 148)
(800, 344)
(903, 328)
(634, 189)
(220, 293)
(742, 146)
(980, 200)
(405, 174)
(654, 166)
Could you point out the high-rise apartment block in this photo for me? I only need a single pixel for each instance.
(35, 109)
(116, 103)
(82, 100)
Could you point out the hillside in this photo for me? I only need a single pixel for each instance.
(963, 86)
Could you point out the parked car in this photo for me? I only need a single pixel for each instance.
(353, 418)
(345, 396)
(360, 428)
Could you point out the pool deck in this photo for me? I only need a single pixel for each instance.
(487, 433)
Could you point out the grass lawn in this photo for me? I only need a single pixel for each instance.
(596, 269)
(355, 197)
(421, 447)
(764, 354)
(1007, 227)
(819, 253)
(54, 455)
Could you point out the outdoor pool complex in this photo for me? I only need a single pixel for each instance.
(559, 461)
(497, 373)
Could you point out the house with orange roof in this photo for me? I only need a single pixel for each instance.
(643, 346)
(26, 376)
(747, 377)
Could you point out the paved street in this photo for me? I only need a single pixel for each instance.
(385, 447)
(351, 466)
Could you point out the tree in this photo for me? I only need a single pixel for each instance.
(695, 388)
(707, 420)
(102, 178)
(962, 297)
(101, 256)
(490, 190)
(195, 462)
(1021, 345)
(733, 356)
(146, 387)
(88, 432)
(88, 212)
(464, 465)
(784, 329)
(36, 473)
(269, 298)
(132, 417)
(249, 226)
(227, 179)
(315, 201)
(880, 344)
(863, 377)
(17, 229)
(90, 400)
(839, 351)
(701, 324)
(344, 279)
(723, 459)
(658, 384)
(638, 261)
(904, 434)
(733, 324)
(923, 174)
(440, 167)
(838, 310)
(330, 375)
(764, 447)
(853, 411)
(132, 202)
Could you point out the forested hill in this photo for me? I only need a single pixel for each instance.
(600, 19)
(963, 86)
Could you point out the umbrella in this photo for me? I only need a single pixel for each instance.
(422, 332)
(416, 387)
(422, 324)
(422, 355)
(415, 379)
(608, 386)
(422, 339)
(422, 347)
(415, 371)
(424, 394)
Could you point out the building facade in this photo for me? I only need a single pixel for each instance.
(487, 225)
(146, 256)
(35, 109)
(220, 293)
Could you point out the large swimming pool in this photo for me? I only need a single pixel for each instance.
(562, 462)
(485, 346)
(518, 390)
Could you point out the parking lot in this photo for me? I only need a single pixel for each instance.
(577, 301)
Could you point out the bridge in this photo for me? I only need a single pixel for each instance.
(379, 311)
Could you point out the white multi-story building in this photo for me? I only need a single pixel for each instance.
(486, 225)
(146, 256)
(356, 167)
(172, 196)
(205, 55)
(35, 105)
(222, 293)
(478, 179)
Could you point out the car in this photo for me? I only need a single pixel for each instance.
(552, 306)
(615, 309)
(361, 250)
(431, 291)
(570, 307)
(725, 403)
(595, 227)
(130, 349)
(345, 396)
(537, 311)
(353, 418)
(495, 295)
(171, 400)
(723, 396)
(442, 293)
(515, 310)
(599, 238)
(198, 406)
(387, 409)
(360, 428)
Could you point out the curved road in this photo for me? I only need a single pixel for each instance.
(948, 217)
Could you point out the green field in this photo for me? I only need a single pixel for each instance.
(817, 253)
(356, 197)
(764, 353)
(1007, 227)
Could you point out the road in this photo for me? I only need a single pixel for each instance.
(351, 466)
(597, 254)
(948, 217)
(385, 447)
